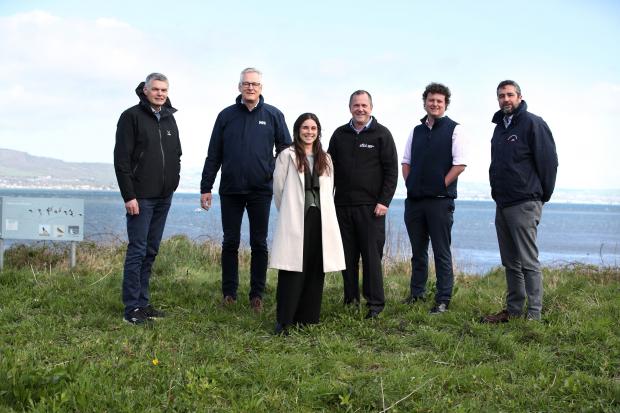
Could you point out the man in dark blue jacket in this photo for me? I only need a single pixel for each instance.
(434, 157)
(523, 169)
(242, 144)
(147, 161)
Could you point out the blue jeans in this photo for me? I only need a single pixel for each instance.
(144, 231)
(232, 207)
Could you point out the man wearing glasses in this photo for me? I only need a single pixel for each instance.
(242, 144)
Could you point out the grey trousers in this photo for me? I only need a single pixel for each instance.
(516, 228)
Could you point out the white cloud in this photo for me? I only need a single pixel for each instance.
(65, 81)
(39, 43)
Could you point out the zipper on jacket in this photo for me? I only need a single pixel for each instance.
(163, 158)
(137, 163)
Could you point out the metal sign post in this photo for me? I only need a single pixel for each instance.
(72, 260)
(1, 254)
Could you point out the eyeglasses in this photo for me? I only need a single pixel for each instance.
(246, 85)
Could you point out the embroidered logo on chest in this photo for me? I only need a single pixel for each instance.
(262, 122)
(366, 145)
(512, 138)
(168, 133)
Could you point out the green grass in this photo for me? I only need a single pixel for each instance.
(64, 347)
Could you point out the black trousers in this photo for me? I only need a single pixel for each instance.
(299, 294)
(232, 206)
(363, 234)
(431, 218)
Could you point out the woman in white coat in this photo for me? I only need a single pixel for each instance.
(306, 242)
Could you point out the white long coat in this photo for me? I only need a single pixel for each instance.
(288, 239)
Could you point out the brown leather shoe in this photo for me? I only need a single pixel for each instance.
(228, 300)
(257, 304)
(502, 317)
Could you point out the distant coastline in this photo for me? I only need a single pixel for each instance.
(561, 196)
(22, 171)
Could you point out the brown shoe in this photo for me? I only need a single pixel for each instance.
(502, 317)
(228, 300)
(257, 304)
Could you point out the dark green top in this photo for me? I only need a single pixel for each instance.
(311, 184)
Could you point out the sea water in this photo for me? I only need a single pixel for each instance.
(568, 233)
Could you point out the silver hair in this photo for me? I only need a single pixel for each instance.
(504, 83)
(250, 70)
(155, 76)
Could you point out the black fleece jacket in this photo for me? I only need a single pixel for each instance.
(365, 165)
(147, 154)
(524, 161)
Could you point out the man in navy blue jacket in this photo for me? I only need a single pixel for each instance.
(523, 169)
(434, 158)
(242, 144)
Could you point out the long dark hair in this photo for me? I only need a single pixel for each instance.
(321, 164)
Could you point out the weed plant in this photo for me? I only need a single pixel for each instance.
(65, 348)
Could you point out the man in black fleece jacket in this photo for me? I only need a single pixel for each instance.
(365, 177)
(147, 161)
(523, 169)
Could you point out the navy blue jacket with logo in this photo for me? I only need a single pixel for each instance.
(524, 161)
(147, 153)
(431, 160)
(365, 165)
(242, 144)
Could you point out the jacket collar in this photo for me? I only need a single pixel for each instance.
(372, 124)
(302, 176)
(499, 115)
(437, 122)
(294, 161)
(261, 102)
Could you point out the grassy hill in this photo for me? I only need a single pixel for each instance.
(64, 347)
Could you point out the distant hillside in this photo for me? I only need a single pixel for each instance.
(21, 170)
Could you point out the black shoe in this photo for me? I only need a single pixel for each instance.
(413, 299)
(351, 303)
(439, 308)
(136, 317)
(372, 314)
(280, 330)
(153, 313)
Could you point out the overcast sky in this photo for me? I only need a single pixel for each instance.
(69, 68)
